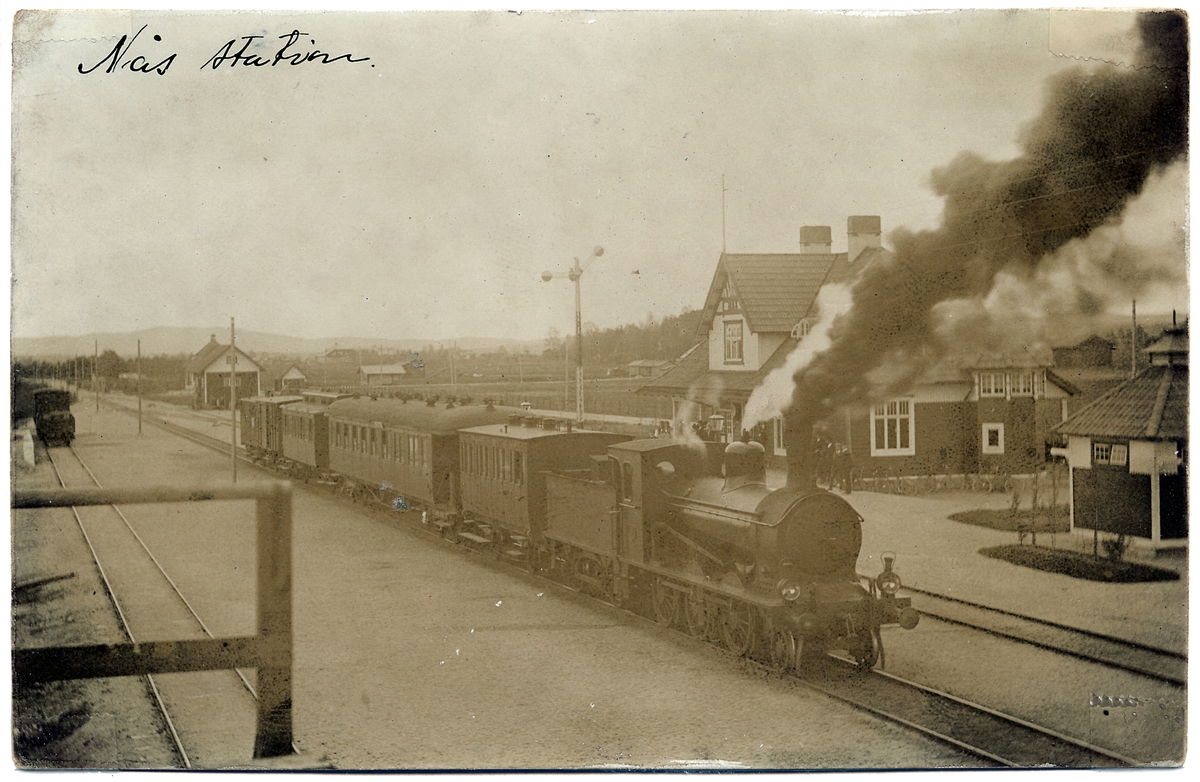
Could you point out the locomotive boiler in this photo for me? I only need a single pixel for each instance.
(714, 551)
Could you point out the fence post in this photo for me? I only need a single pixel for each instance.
(274, 544)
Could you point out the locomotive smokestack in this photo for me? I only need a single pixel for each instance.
(797, 438)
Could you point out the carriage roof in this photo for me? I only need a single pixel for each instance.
(418, 415)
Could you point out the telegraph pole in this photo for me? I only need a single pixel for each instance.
(95, 369)
(139, 371)
(1133, 344)
(232, 400)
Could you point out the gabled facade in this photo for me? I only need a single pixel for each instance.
(758, 309)
(1127, 452)
(208, 374)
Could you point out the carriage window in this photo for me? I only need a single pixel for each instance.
(518, 469)
(508, 465)
(627, 480)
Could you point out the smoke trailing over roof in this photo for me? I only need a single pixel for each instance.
(1102, 133)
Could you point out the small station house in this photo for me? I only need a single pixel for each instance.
(208, 374)
(1127, 452)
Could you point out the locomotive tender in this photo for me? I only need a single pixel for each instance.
(686, 532)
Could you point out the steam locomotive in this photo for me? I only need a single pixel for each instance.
(50, 409)
(685, 532)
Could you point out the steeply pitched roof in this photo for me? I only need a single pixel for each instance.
(692, 378)
(776, 290)
(210, 352)
(1151, 406)
(205, 356)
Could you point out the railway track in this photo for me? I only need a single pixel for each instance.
(1157, 663)
(150, 606)
(995, 738)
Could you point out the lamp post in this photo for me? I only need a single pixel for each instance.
(574, 274)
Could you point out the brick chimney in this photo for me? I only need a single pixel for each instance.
(862, 231)
(816, 239)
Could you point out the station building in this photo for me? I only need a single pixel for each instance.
(991, 416)
(208, 375)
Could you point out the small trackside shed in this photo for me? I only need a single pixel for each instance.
(1128, 452)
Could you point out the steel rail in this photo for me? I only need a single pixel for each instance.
(157, 564)
(1053, 742)
(1115, 658)
(162, 707)
(1010, 740)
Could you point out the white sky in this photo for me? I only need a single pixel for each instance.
(421, 194)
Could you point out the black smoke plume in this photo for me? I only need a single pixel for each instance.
(1101, 133)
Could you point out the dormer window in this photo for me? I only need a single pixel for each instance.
(801, 329)
(991, 384)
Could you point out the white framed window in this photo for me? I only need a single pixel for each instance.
(892, 429)
(991, 384)
(1119, 456)
(1022, 384)
(993, 438)
(801, 329)
(1101, 453)
(733, 342)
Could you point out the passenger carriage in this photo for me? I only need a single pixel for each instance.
(503, 470)
(305, 438)
(410, 450)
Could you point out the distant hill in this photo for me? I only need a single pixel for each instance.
(169, 340)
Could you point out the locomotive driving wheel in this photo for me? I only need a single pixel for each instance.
(865, 650)
(696, 614)
(738, 629)
(666, 604)
(782, 649)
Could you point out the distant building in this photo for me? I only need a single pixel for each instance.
(1127, 451)
(647, 367)
(381, 374)
(208, 374)
(290, 378)
(1091, 352)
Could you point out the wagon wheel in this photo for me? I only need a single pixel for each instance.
(696, 614)
(666, 604)
(737, 631)
(782, 649)
(592, 568)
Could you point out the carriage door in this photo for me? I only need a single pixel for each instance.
(627, 475)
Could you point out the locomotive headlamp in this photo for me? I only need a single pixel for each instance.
(888, 581)
(789, 589)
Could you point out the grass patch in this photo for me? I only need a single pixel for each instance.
(1076, 565)
(1056, 519)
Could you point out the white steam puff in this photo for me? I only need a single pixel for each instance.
(774, 394)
